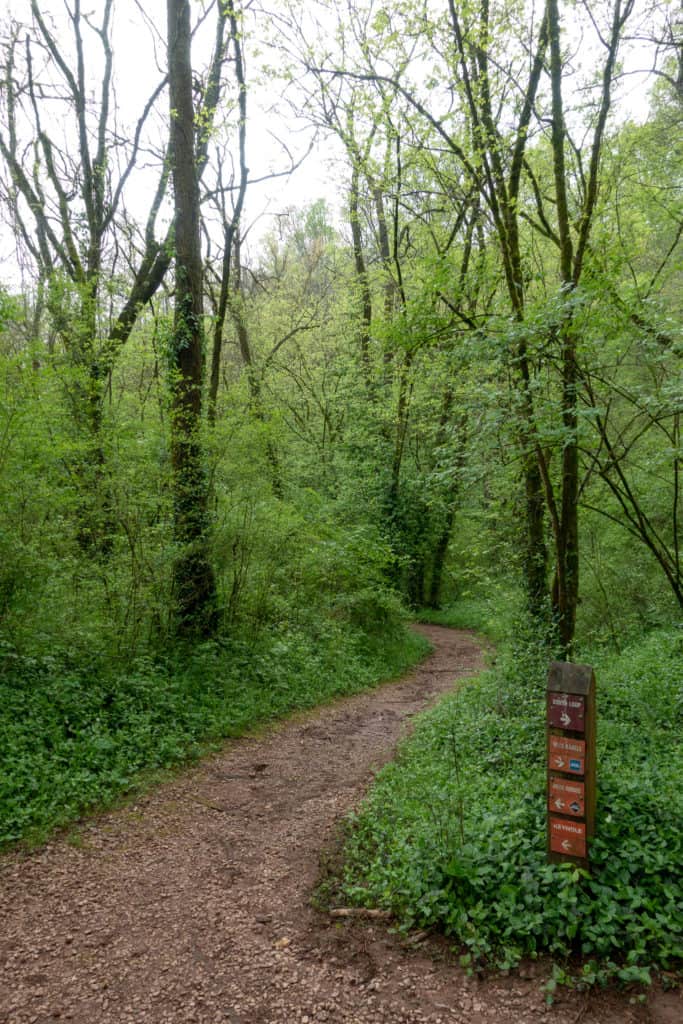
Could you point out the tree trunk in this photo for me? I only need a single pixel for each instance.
(231, 225)
(439, 558)
(443, 538)
(193, 577)
(361, 277)
(566, 588)
(536, 551)
(236, 306)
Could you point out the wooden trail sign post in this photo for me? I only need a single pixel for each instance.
(570, 728)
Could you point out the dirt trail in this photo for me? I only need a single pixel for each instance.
(192, 905)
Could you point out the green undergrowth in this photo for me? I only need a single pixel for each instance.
(452, 836)
(74, 738)
(488, 616)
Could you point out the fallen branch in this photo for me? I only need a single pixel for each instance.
(360, 912)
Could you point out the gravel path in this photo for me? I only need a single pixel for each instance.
(192, 905)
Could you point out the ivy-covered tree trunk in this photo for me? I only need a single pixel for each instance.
(193, 577)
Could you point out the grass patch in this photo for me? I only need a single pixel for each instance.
(452, 836)
(74, 738)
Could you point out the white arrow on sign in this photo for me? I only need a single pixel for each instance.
(565, 719)
(559, 763)
(559, 803)
(566, 845)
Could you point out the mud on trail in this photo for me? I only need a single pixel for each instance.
(193, 904)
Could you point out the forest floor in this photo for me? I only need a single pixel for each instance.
(193, 904)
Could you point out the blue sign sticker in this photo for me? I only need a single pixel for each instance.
(574, 765)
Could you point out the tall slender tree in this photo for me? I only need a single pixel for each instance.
(194, 581)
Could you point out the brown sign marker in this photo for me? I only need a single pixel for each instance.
(570, 730)
(567, 711)
(566, 797)
(567, 755)
(568, 837)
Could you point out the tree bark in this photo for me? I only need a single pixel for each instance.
(231, 225)
(193, 577)
(361, 275)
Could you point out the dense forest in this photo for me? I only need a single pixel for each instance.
(238, 449)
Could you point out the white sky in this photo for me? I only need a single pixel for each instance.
(139, 58)
(139, 55)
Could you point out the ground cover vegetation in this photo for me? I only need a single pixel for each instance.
(452, 836)
(228, 471)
